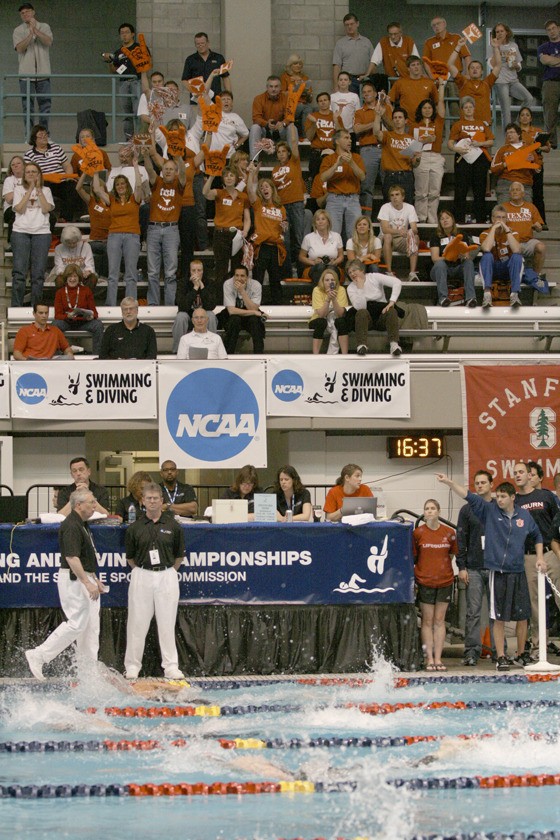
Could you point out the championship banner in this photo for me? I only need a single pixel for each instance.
(212, 414)
(338, 386)
(4, 390)
(299, 563)
(95, 390)
(510, 414)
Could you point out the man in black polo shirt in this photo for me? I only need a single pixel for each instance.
(78, 589)
(154, 548)
(129, 339)
(129, 89)
(179, 499)
(81, 472)
(202, 62)
(542, 506)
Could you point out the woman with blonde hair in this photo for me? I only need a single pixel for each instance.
(268, 236)
(329, 304)
(293, 75)
(31, 233)
(321, 248)
(364, 245)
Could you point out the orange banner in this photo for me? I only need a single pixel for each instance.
(510, 414)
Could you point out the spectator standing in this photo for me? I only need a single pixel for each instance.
(471, 141)
(231, 131)
(320, 127)
(203, 62)
(529, 133)
(475, 84)
(505, 175)
(343, 175)
(344, 102)
(268, 237)
(549, 57)
(128, 88)
(409, 91)
(429, 123)
(368, 143)
(352, 53)
(31, 234)
(13, 178)
(86, 135)
(232, 222)
(439, 48)
(291, 189)
(32, 41)
(396, 165)
(392, 52)
(507, 85)
(99, 221)
(54, 164)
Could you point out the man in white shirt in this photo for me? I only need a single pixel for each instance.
(242, 299)
(370, 308)
(156, 82)
(208, 344)
(344, 103)
(32, 41)
(399, 226)
(126, 168)
(231, 132)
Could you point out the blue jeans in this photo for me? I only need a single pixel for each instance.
(162, 242)
(371, 156)
(477, 586)
(442, 272)
(492, 269)
(119, 246)
(30, 251)
(129, 96)
(296, 216)
(40, 90)
(343, 208)
(94, 327)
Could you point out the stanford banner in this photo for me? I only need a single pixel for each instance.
(510, 414)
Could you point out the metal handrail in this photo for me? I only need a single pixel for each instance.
(419, 517)
(6, 487)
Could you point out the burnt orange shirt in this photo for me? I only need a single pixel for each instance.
(286, 80)
(409, 93)
(521, 218)
(326, 127)
(99, 219)
(424, 133)
(190, 171)
(166, 200)
(440, 49)
(229, 210)
(265, 108)
(39, 344)
(318, 187)
(125, 217)
(363, 116)
(528, 136)
(344, 181)
(468, 128)
(289, 181)
(394, 58)
(500, 250)
(480, 90)
(524, 176)
(391, 146)
(268, 223)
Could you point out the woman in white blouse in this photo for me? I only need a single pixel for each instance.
(321, 248)
(31, 234)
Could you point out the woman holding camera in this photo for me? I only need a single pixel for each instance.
(321, 248)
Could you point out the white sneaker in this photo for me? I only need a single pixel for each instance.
(35, 664)
(174, 674)
(514, 301)
(395, 349)
(130, 676)
(487, 299)
(413, 277)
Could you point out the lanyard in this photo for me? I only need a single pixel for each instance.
(174, 496)
(72, 308)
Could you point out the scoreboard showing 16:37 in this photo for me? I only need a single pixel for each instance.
(423, 445)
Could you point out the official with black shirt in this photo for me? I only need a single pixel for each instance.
(129, 338)
(78, 589)
(155, 549)
(81, 473)
(178, 498)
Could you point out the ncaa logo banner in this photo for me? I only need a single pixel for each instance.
(4, 390)
(338, 387)
(211, 414)
(83, 390)
(510, 413)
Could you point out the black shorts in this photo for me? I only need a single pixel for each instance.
(434, 595)
(509, 596)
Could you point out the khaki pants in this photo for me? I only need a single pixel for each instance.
(532, 579)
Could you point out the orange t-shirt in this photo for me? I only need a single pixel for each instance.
(166, 201)
(318, 187)
(99, 219)
(268, 223)
(336, 496)
(524, 176)
(468, 128)
(289, 182)
(410, 92)
(364, 116)
(39, 344)
(286, 80)
(392, 144)
(521, 218)
(76, 160)
(394, 58)
(229, 211)
(344, 181)
(480, 90)
(440, 49)
(433, 550)
(423, 133)
(326, 127)
(190, 171)
(125, 218)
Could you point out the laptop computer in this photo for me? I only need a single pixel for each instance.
(13, 508)
(355, 505)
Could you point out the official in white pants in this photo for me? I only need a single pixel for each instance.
(155, 549)
(78, 589)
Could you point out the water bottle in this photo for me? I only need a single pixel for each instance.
(289, 515)
(381, 504)
(131, 514)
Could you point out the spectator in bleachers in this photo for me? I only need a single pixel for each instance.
(206, 344)
(231, 132)
(181, 110)
(364, 245)
(501, 258)
(40, 340)
(156, 81)
(291, 189)
(396, 166)
(54, 164)
(409, 91)
(232, 222)
(32, 41)
(123, 241)
(268, 114)
(31, 234)
(525, 220)
(471, 140)
(74, 306)
(506, 176)
(370, 150)
(474, 84)
(196, 294)
(443, 270)
(370, 308)
(163, 227)
(320, 127)
(99, 220)
(191, 219)
(392, 52)
(245, 485)
(129, 339)
(292, 496)
(529, 133)
(203, 62)
(344, 103)
(242, 301)
(507, 85)
(75, 161)
(549, 57)
(72, 250)
(329, 302)
(343, 176)
(126, 168)
(13, 178)
(268, 237)
(129, 88)
(440, 47)
(399, 226)
(239, 162)
(135, 486)
(352, 53)
(321, 248)
(293, 75)
(429, 122)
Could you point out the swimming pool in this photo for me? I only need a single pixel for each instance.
(362, 788)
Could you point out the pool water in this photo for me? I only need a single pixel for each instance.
(374, 808)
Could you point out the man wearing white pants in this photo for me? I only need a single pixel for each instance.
(154, 548)
(78, 589)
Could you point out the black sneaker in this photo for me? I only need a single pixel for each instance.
(523, 659)
(445, 302)
(502, 664)
(362, 350)
(471, 303)
(553, 649)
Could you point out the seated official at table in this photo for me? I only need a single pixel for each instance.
(245, 485)
(178, 498)
(292, 495)
(201, 343)
(348, 485)
(81, 473)
(135, 486)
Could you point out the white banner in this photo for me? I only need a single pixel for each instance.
(338, 386)
(4, 390)
(212, 414)
(83, 390)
